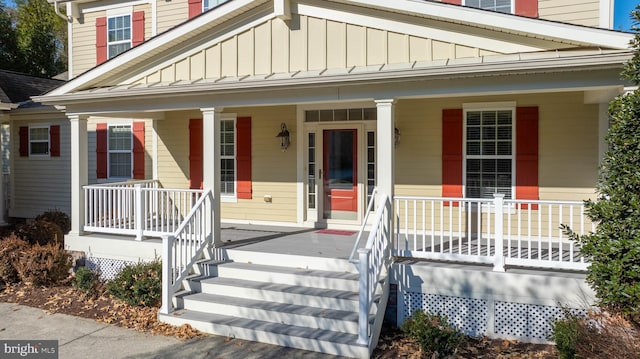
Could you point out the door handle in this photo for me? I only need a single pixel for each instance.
(320, 173)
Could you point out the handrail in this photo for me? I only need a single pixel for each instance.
(373, 262)
(181, 250)
(364, 223)
(121, 183)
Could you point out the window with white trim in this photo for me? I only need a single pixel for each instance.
(39, 141)
(118, 34)
(209, 4)
(228, 157)
(489, 148)
(494, 5)
(120, 151)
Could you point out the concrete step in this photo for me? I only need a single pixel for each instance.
(282, 293)
(290, 275)
(288, 260)
(318, 340)
(283, 313)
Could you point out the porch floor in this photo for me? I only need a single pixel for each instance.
(290, 240)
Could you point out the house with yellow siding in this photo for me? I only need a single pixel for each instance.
(298, 165)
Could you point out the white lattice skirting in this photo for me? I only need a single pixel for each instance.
(481, 317)
(107, 267)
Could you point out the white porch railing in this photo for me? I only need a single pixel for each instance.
(182, 248)
(139, 208)
(491, 231)
(373, 264)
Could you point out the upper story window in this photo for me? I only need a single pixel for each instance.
(120, 151)
(489, 161)
(39, 141)
(118, 34)
(209, 4)
(494, 5)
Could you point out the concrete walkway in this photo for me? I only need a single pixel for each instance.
(86, 338)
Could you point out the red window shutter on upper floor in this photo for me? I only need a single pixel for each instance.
(195, 8)
(101, 40)
(243, 157)
(452, 153)
(54, 138)
(527, 153)
(527, 8)
(137, 31)
(24, 141)
(138, 150)
(195, 153)
(101, 150)
(453, 1)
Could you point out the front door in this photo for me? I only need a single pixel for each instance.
(340, 177)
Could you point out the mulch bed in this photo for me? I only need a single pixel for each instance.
(105, 308)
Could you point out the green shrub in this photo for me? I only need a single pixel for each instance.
(565, 335)
(85, 280)
(41, 232)
(12, 249)
(138, 284)
(44, 265)
(436, 337)
(58, 217)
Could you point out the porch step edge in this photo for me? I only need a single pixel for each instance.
(317, 340)
(291, 260)
(283, 313)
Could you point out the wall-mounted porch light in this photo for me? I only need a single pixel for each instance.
(285, 138)
(396, 137)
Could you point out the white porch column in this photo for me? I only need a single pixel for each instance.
(3, 119)
(211, 163)
(79, 171)
(385, 161)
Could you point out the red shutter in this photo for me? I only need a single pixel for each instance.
(101, 40)
(527, 8)
(458, 2)
(24, 141)
(243, 157)
(195, 153)
(101, 150)
(137, 36)
(195, 8)
(54, 138)
(138, 150)
(452, 153)
(527, 153)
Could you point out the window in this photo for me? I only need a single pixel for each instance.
(489, 161)
(39, 141)
(120, 151)
(311, 171)
(227, 157)
(209, 4)
(494, 5)
(118, 34)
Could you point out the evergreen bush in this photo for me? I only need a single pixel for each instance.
(436, 337)
(44, 265)
(138, 284)
(58, 217)
(12, 249)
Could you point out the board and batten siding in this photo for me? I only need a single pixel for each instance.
(579, 12)
(305, 44)
(273, 171)
(568, 165)
(40, 184)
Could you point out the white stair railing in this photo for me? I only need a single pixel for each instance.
(352, 256)
(374, 260)
(184, 247)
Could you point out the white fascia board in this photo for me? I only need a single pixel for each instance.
(414, 30)
(129, 5)
(517, 24)
(7, 106)
(149, 45)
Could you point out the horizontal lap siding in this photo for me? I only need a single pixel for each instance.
(567, 164)
(84, 42)
(171, 13)
(581, 12)
(41, 184)
(173, 148)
